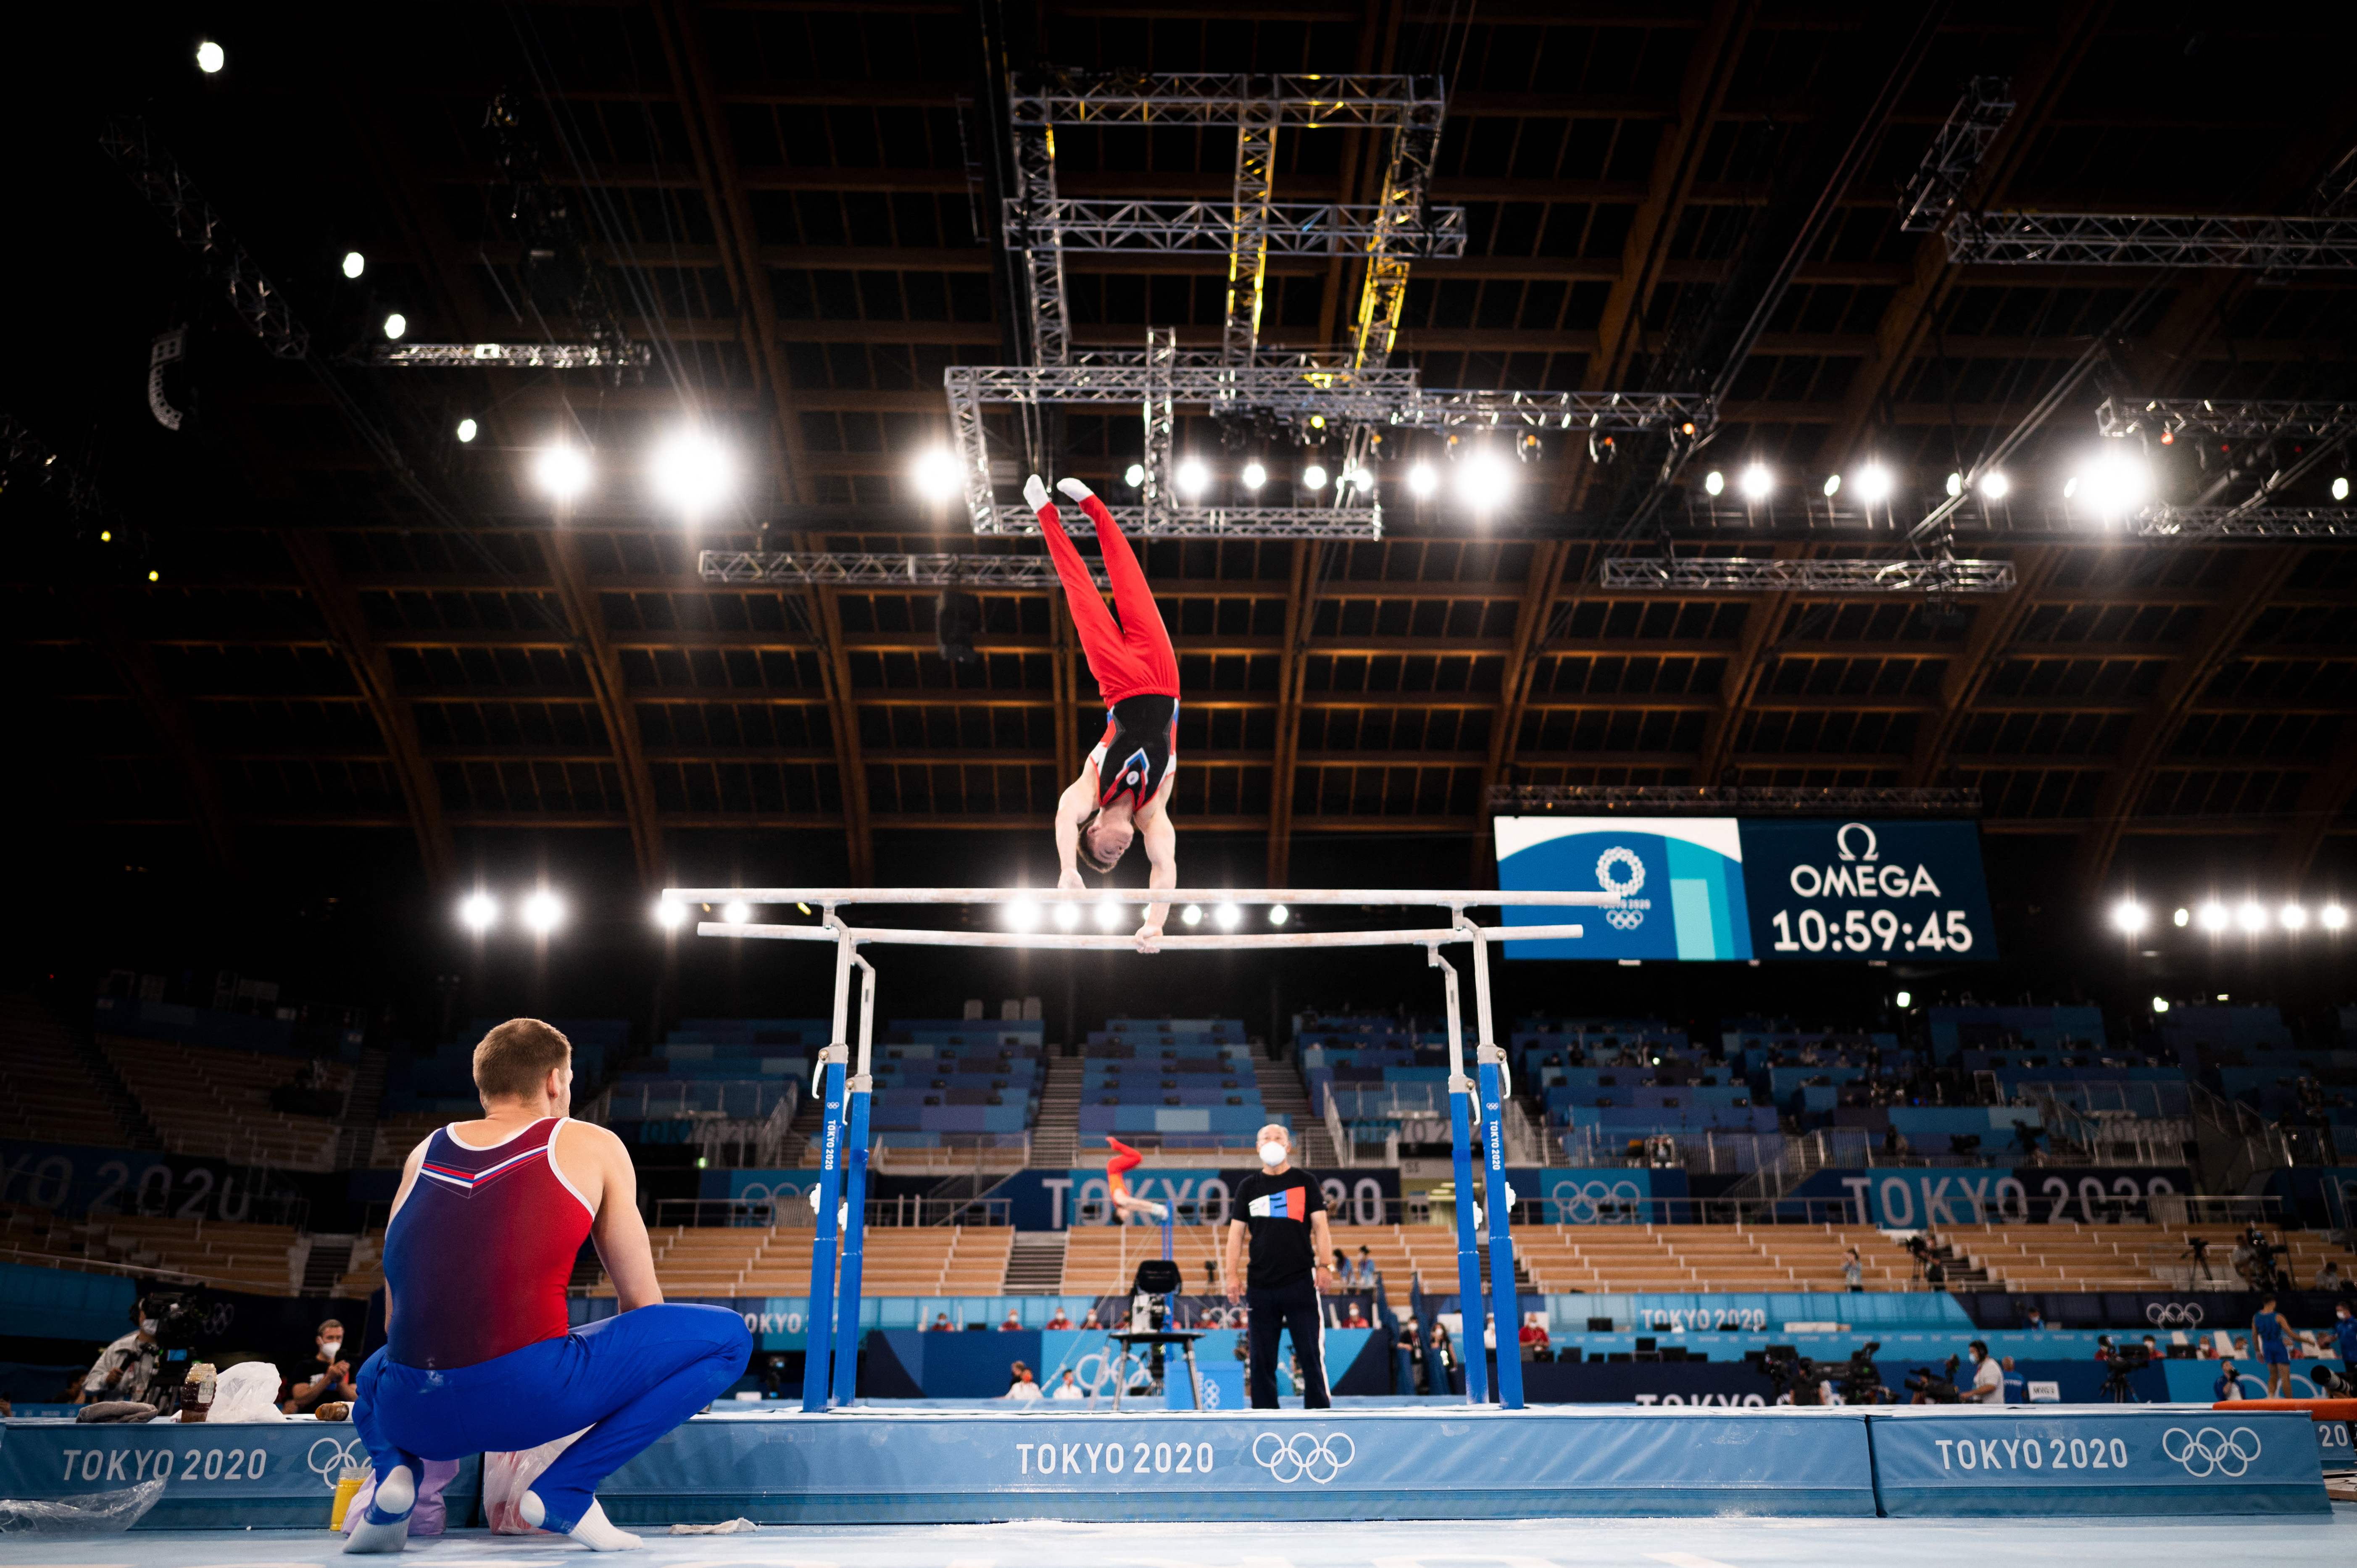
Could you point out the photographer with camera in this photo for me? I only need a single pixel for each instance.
(1936, 1388)
(1988, 1378)
(127, 1369)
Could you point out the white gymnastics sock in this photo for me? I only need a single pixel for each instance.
(594, 1530)
(394, 1496)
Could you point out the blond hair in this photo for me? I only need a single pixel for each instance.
(514, 1058)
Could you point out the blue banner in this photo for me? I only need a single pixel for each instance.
(1038, 1462)
(226, 1476)
(2117, 1460)
(1059, 1200)
(1912, 1199)
(1717, 888)
(73, 1179)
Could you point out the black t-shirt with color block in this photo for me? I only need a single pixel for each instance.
(1276, 1210)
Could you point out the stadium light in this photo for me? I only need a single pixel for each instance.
(2251, 917)
(1068, 914)
(478, 912)
(1484, 481)
(209, 57)
(2128, 916)
(1023, 914)
(2213, 916)
(2293, 917)
(1758, 482)
(1995, 485)
(1313, 478)
(1873, 483)
(2332, 916)
(1192, 913)
(1906, 1000)
(1134, 476)
(395, 326)
(2181, 918)
(692, 471)
(468, 431)
(1422, 481)
(737, 913)
(2113, 482)
(1833, 486)
(1713, 483)
(1956, 483)
(1359, 479)
(354, 263)
(1255, 475)
(1279, 914)
(936, 474)
(1108, 913)
(1230, 917)
(670, 915)
(2340, 488)
(561, 470)
(2160, 1004)
(543, 912)
(1193, 477)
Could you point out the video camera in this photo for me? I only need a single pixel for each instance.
(1934, 1388)
(179, 1320)
(2121, 1362)
(1800, 1377)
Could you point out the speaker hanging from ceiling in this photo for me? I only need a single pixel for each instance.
(957, 621)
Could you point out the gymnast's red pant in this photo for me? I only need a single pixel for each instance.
(1129, 658)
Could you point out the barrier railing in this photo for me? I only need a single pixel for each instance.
(828, 1368)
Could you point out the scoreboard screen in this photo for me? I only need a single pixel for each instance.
(1725, 888)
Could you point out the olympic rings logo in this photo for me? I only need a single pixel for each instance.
(330, 1465)
(1624, 919)
(2210, 1451)
(2174, 1313)
(1619, 854)
(1581, 1203)
(1304, 1456)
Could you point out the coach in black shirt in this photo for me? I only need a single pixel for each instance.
(1285, 1214)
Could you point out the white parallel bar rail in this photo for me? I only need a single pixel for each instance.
(903, 936)
(1304, 897)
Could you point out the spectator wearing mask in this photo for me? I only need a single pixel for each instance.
(2033, 1320)
(1364, 1275)
(1068, 1387)
(2228, 1389)
(1281, 1211)
(1352, 1317)
(1024, 1387)
(2327, 1275)
(1088, 1320)
(328, 1377)
(1534, 1336)
(1988, 1378)
(125, 1370)
(1853, 1270)
(1059, 1320)
(941, 1323)
(1013, 1323)
(2102, 1346)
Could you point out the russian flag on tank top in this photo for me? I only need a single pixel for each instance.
(472, 1182)
(1293, 1202)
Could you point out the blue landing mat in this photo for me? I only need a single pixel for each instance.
(860, 1467)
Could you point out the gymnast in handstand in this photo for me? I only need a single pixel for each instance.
(1123, 789)
(480, 1355)
(1126, 1204)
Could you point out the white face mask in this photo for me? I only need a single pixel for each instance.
(328, 1350)
(1272, 1154)
(147, 1326)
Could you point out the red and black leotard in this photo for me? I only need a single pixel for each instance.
(1131, 659)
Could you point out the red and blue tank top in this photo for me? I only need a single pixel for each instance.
(477, 1257)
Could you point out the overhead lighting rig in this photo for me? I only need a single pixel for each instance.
(1749, 575)
(514, 355)
(800, 567)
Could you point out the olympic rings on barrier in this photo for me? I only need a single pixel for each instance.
(2174, 1313)
(1304, 1456)
(331, 1468)
(1581, 1203)
(2208, 1450)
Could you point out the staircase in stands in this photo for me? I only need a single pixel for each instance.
(1056, 1136)
(1036, 1264)
(117, 1093)
(356, 1128)
(1284, 1095)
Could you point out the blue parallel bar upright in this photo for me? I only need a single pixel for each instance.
(1461, 1139)
(820, 1339)
(855, 1194)
(1506, 1298)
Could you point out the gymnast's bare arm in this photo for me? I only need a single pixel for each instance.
(1162, 860)
(1072, 809)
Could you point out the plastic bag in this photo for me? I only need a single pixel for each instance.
(93, 1513)
(427, 1516)
(247, 1391)
(508, 1477)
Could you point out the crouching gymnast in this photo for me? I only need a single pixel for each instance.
(479, 1355)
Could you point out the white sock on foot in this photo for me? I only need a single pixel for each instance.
(394, 1496)
(594, 1530)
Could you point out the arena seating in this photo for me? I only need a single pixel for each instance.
(730, 1261)
(207, 1100)
(265, 1260)
(47, 1093)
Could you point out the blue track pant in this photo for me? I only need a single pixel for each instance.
(630, 1379)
